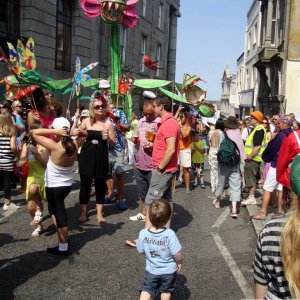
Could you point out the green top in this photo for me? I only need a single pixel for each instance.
(133, 126)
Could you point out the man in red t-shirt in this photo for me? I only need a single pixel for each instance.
(164, 155)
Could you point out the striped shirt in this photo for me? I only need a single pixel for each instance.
(6, 155)
(267, 265)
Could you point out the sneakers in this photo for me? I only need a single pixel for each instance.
(10, 206)
(138, 217)
(249, 201)
(121, 205)
(195, 183)
(109, 201)
(56, 251)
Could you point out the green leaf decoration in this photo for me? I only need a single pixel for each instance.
(150, 83)
(188, 79)
(91, 82)
(173, 96)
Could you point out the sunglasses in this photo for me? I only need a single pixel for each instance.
(97, 107)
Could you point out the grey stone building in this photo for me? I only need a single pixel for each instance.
(62, 32)
(278, 61)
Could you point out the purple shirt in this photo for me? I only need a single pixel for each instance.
(144, 156)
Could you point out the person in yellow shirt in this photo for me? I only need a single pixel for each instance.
(198, 156)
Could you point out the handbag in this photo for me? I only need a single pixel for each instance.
(21, 172)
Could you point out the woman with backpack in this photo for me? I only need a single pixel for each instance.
(230, 164)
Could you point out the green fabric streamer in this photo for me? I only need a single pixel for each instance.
(115, 58)
(150, 83)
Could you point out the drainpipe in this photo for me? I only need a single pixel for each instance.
(285, 55)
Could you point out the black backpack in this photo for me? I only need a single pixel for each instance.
(229, 153)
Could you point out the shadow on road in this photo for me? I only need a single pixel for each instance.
(181, 217)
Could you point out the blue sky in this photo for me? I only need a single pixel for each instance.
(210, 37)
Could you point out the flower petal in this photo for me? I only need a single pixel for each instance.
(91, 8)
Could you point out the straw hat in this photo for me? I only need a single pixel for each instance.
(231, 123)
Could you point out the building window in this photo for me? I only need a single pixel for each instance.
(10, 17)
(143, 52)
(63, 35)
(249, 42)
(274, 24)
(247, 79)
(123, 42)
(255, 35)
(144, 5)
(158, 56)
(160, 15)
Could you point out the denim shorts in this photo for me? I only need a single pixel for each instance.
(142, 179)
(117, 163)
(154, 284)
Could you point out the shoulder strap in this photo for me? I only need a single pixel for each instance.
(297, 138)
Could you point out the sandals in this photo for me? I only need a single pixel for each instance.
(260, 216)
(131, 243)
(277, 215)
(38, 217)
(233, 215)
(36, 232)
(216, 203)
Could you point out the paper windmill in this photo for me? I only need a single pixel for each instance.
(80, 76)
(113, 11)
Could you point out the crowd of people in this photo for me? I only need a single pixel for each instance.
(167, 144)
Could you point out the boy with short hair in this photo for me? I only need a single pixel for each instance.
(162, 250)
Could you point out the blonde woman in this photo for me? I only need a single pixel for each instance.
(93, 160)
(277, 256)
(8, 149)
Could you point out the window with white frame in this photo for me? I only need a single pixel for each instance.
(123, 42)
(143, 52)
(160, 15)
(144, 8)
(158, 55)
(255, 35)
(249, 42)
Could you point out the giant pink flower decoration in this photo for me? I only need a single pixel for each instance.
(113, 11)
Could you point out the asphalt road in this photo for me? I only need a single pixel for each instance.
(218, 252)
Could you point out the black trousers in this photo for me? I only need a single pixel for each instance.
(85, 186)
(6, 178)
(56, 204)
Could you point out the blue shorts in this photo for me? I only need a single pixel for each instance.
(154, 284)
